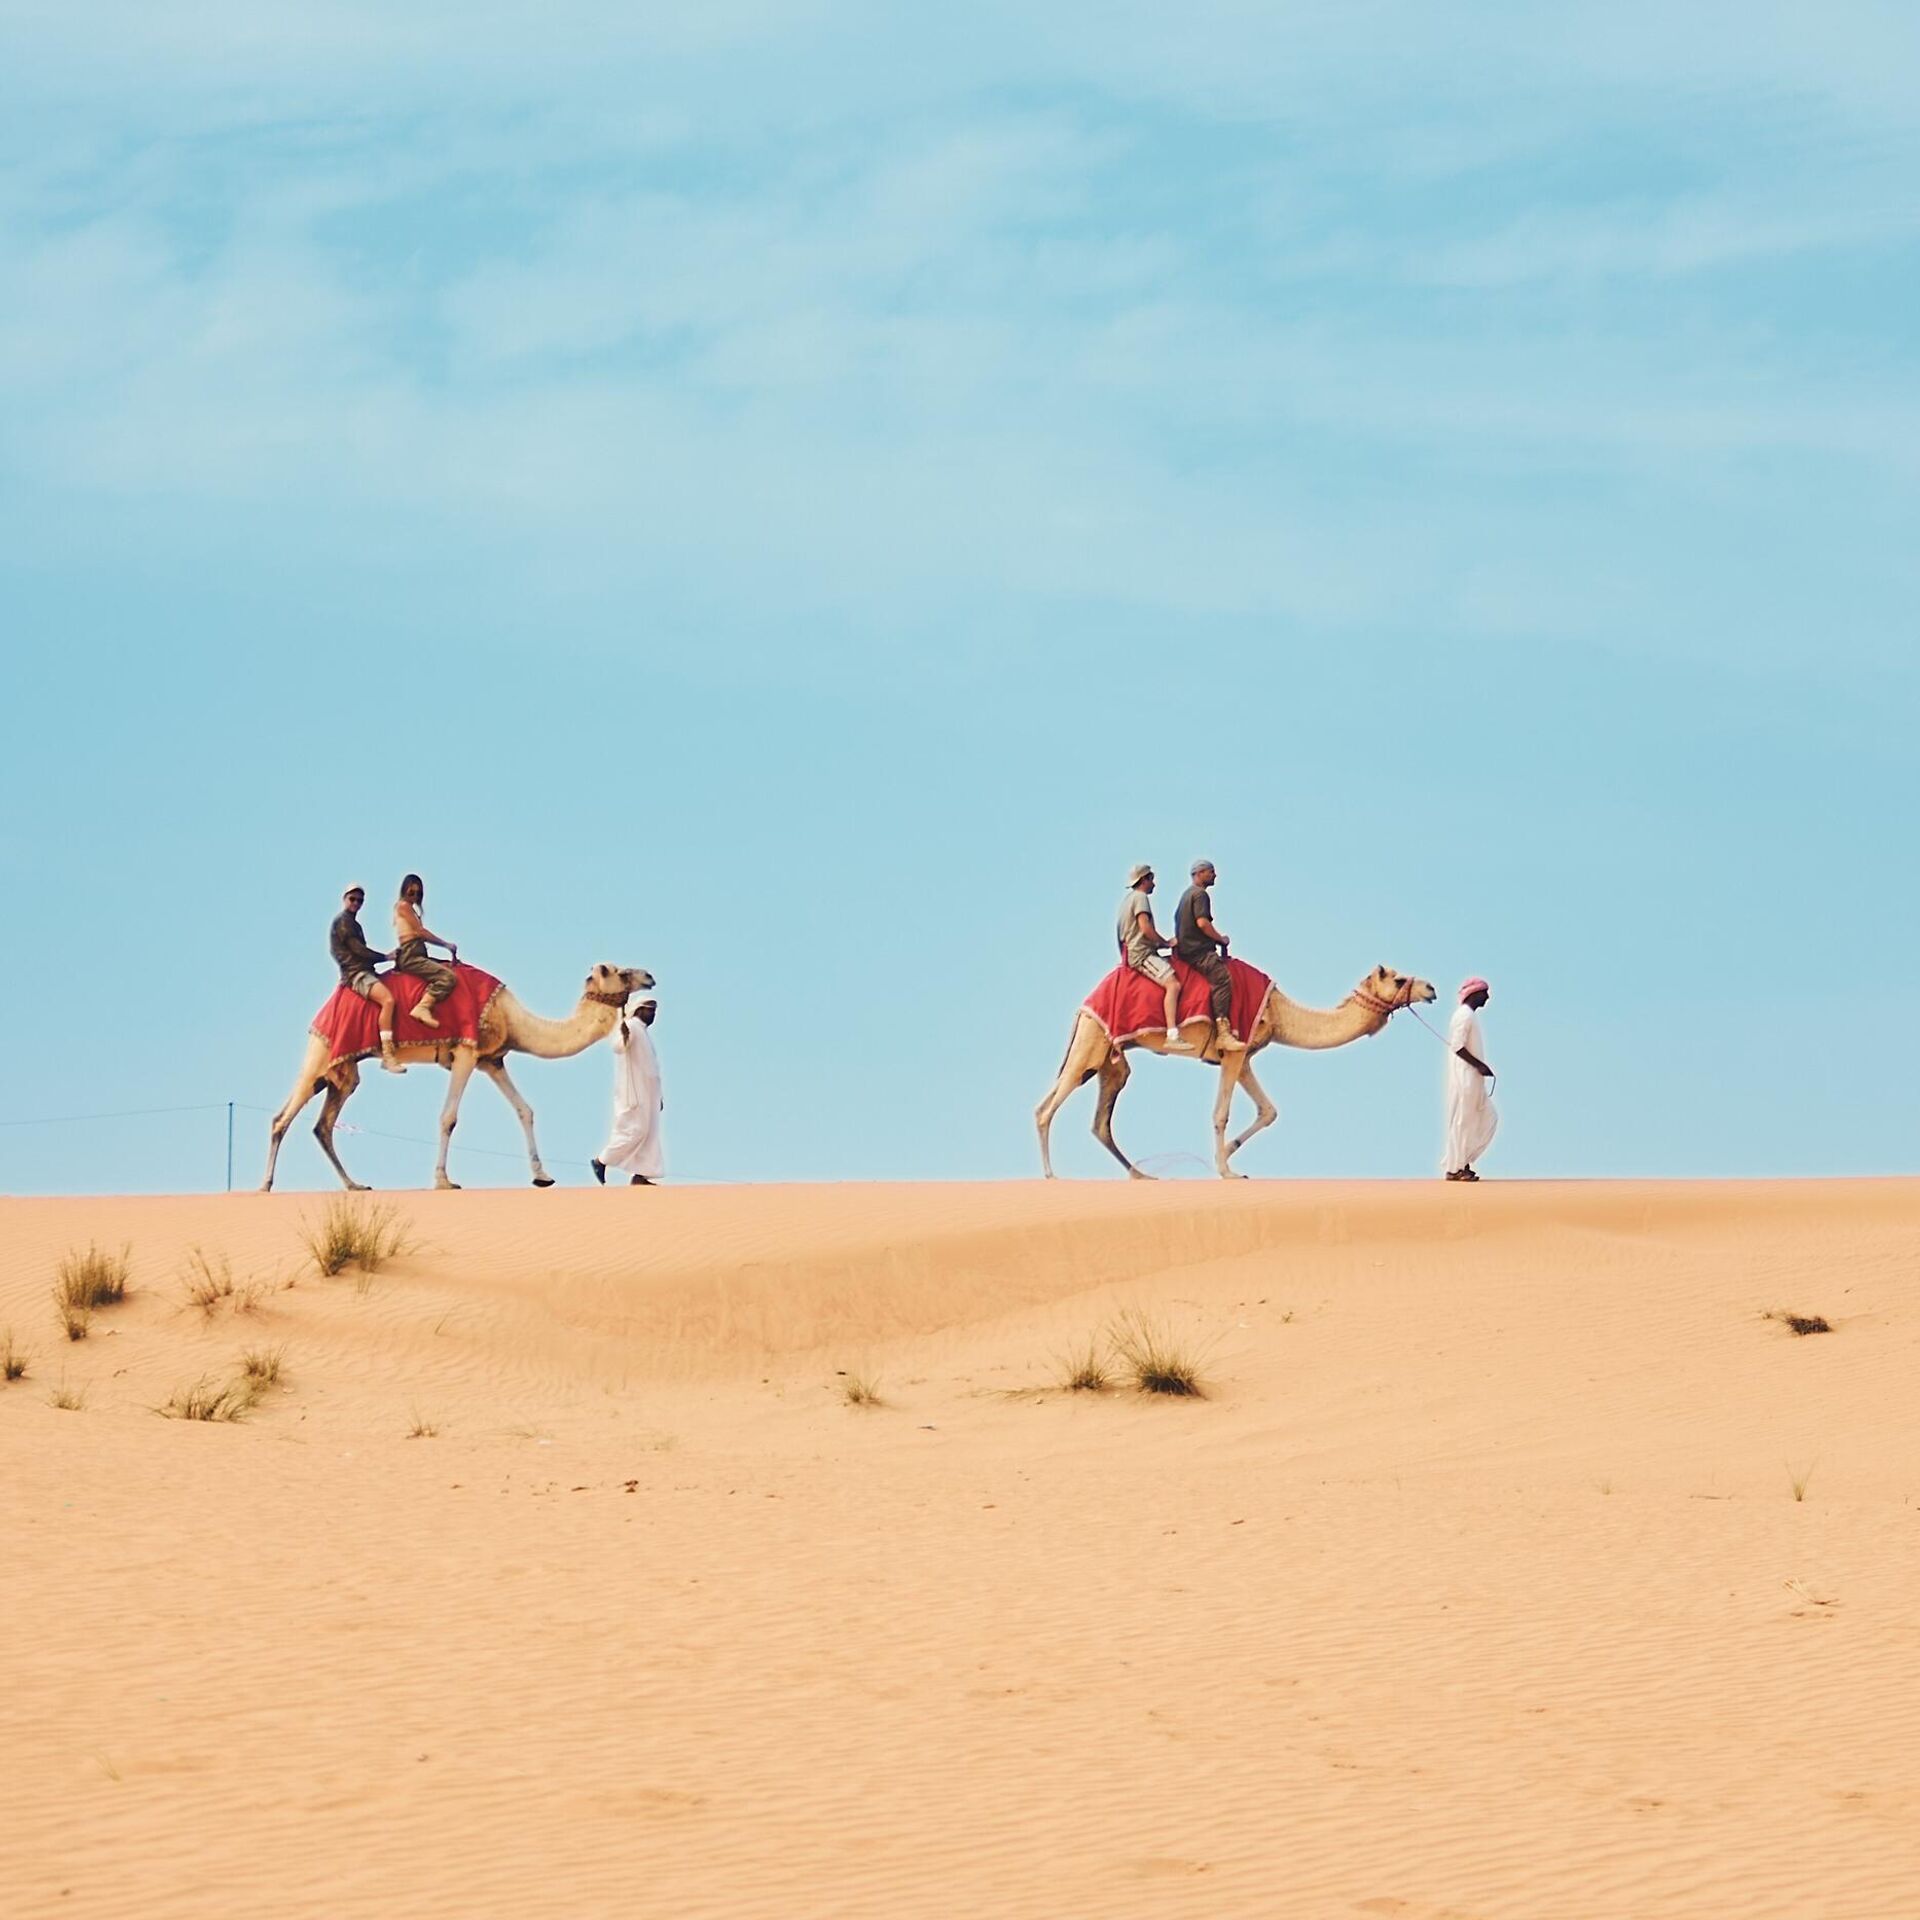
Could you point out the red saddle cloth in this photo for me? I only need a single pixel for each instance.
(1128, 1003)
(351, 1026)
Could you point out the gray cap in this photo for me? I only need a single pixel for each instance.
(1138, 873)
(1200, 866)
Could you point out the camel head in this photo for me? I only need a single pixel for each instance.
(1390, 991)
(615, 984)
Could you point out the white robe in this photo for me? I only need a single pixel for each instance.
(634, 1144)
(1471, 1120)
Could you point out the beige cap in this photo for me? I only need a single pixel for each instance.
(1139, 873)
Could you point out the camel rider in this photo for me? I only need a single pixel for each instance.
(356, 961)
(1203, 947)
(1143, 947)
(415, 936)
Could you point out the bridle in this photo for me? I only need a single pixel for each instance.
(1386, 1008)
(609, 999)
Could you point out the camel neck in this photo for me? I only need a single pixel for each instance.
(1317, 1028)
(590, 1021)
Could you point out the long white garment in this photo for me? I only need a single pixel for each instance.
(1471, 1120)
(634, 1144)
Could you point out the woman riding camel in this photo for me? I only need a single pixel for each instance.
(414, 937)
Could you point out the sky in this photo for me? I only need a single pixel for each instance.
(799, 497)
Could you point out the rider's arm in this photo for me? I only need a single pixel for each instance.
(1212, 932)
(1143, 924)
(427, 933)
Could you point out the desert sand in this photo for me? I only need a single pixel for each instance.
(1476, 1586)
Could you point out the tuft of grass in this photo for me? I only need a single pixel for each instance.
(75, 1322)
(1085, 1369)
(1154, 1359)
(352, 1232)
(1803, 1323)
(68, 1399)
(424, 1427)
(859, 1389)
(209, 1280)
(206, 1401)
(13, 1358)
(263, 1366)
(91, 1279)
(1797, 1478)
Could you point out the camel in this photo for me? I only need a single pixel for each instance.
(506, 1027)
(1280, 1021)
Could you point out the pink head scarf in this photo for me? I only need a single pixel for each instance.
(1468, 988)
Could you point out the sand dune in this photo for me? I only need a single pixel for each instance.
(1477, 1586)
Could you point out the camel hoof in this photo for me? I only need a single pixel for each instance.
(358, 1186)
(543, 1179)
(1134, 1173)
(447, 1186)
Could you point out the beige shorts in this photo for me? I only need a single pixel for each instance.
(1153, 966)
(364, 983)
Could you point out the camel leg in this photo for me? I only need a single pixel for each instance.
(461, 1072)
(1267, 1113)
(496, 1071)
(339, 1090)
(1113, 1077)
(1232, 1066)
(1085, 1053)
(310, 1082)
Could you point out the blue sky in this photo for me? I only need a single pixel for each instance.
(800, 497)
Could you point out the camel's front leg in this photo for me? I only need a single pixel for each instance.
(496, 1071)
(338, 1092)
(1232, 1066)
(458, 1076)
(1266, 1112)
(1113, 1077)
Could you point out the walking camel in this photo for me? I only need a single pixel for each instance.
(1280, 1022)
(504, 1027)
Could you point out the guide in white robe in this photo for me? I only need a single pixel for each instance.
(634, 1144)
(1471, 1119)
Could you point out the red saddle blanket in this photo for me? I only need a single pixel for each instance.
(351, 1026)
(1128, 1003)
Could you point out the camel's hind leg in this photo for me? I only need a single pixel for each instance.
(496, 1071)
(1265, 1114)
(1113, 1077)
(312, 1080)
(1086, 1052)
(340, 1089)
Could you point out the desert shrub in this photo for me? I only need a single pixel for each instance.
(92, 1279)
(205, 1400)
(860, 1389)
(13, 1358)
(263, 1365)
(354, 1233)
(1085, 1369)
(1154, 1359)
(1803, 1323)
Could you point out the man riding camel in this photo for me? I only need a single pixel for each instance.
(415, 936)
(1202, 945)
(1143, 948)
(356, 961)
